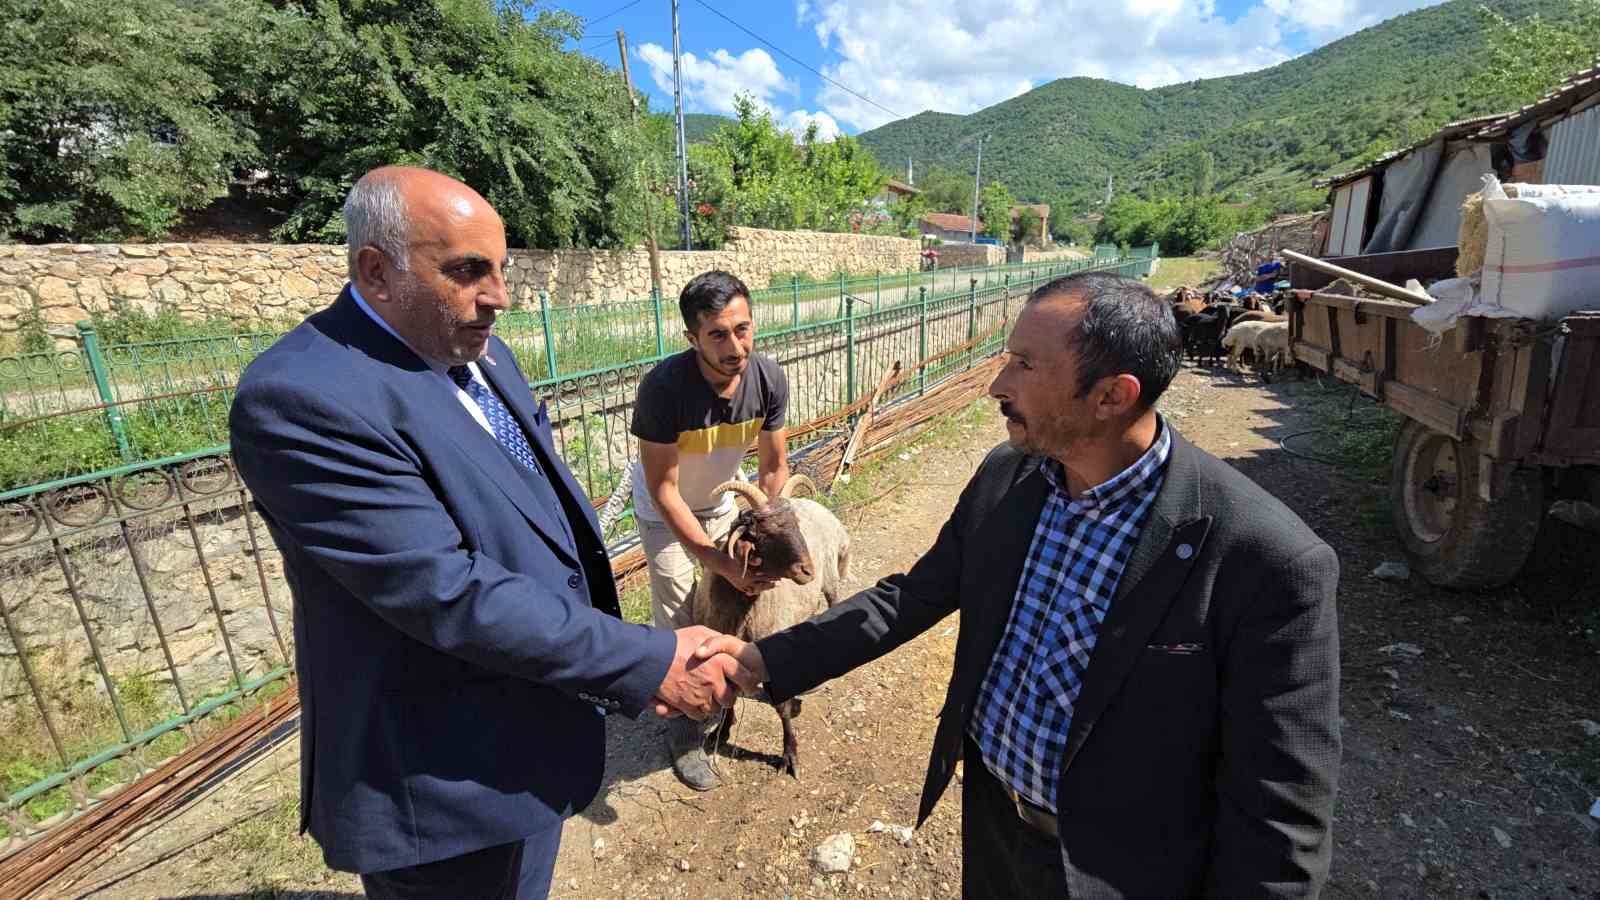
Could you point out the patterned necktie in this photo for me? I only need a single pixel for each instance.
(505, 427)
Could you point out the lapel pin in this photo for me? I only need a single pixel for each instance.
(1185, 551)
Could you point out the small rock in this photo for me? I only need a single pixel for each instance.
(739, 864)
(1500, 836)
(1392, 571)
(1392, 673)
(1407, 821)
(904, 457)
(683, 865)
(599, 847)
(876, 827)
(1590, 727)
(1399, 715)
(1460, 620)
(572, 884)
(903, 834)
(1402, 648)
(833, 854)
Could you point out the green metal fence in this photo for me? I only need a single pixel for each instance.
(97, 410)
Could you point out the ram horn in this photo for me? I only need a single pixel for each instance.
(798, 481)
(750, 492)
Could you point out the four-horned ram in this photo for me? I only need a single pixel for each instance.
(789, 538)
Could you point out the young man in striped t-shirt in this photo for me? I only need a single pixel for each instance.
(696, 415)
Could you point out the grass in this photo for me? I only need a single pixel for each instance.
(88, 725)
(1184, 270)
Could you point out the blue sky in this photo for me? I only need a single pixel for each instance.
(889, 59)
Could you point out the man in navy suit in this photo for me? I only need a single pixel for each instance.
(457, 632)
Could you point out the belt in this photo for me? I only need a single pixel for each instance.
(1032, 815)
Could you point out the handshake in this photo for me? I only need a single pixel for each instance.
(707, 674)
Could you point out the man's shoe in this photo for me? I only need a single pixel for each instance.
(686, 744)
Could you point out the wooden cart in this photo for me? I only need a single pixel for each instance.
(1502, 415)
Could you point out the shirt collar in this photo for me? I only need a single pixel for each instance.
(361, 301)
(1130, 482)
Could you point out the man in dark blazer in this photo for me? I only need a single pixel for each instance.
(457, 634)
(1145, 689)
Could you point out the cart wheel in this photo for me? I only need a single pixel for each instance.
(1454, 537)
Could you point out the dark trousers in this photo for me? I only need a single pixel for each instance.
(519, 870)
(1000, 855)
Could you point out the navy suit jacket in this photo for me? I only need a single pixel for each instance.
(455, 651)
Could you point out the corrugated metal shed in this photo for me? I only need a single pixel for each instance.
(1573, 156)
(1573, 92)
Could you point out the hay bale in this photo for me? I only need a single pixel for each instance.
(1473, 239)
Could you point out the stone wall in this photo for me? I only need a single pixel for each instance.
(65, 283)
(1033, 254)
(965, 255)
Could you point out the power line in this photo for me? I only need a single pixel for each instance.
(623, 8)
(796, 60)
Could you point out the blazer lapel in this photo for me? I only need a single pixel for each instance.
(1167, 549)
(535, 424)
(1005, 536)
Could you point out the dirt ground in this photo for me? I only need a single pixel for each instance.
(1471, 754)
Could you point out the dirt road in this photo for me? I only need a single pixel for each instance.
(1468, 766)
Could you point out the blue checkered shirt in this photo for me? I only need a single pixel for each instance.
(1079, 550)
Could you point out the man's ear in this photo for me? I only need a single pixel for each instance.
(1118, 395)
(372, 274)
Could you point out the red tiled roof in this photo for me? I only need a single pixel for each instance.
(951, 221)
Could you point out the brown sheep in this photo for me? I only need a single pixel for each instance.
(785, 537)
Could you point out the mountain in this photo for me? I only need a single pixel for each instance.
(1273, 130)
(698, 126)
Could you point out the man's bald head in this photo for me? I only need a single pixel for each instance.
(394, 208)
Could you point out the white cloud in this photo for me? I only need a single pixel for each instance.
(710, 84)
(913, 55)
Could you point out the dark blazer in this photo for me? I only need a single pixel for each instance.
(455, 647)
(1203, 752)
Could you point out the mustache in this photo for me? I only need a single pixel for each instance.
(1010, 412)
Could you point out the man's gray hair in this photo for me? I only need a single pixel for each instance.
(375, 215)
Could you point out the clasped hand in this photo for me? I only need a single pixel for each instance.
(707, 673)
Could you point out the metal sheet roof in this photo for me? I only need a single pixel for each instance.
(1578, 87)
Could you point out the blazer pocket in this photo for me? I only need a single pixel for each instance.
(1177, 649)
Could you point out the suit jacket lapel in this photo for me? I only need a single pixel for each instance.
(1149, 584)
(1005, 536)
(535, 424)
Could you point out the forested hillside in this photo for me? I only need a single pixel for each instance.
(1270, 132)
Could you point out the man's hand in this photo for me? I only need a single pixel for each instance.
(746, 580)
(695, 686)
(749, 670)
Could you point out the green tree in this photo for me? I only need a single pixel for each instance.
(995, 212)
(905, 211)
(109, 125)
(946, 191)
(1202, 172)
(480, 89)
(1529, 57)
(1027, 229)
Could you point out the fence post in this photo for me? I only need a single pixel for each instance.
(102, 384)
(661, 339)
(877, 292)
(849, 347)
(1005, 296)
(794, 300)
(922, 338)
(972, 319)
(844, 305)
(549, 336)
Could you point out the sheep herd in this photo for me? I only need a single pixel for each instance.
(1214, 328)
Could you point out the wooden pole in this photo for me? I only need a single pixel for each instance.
(1378, 285)
(649, 213)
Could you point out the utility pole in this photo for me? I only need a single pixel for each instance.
(649, 199)
(683, 148)
(1109, 181)
(910, 179)
(977, 176)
